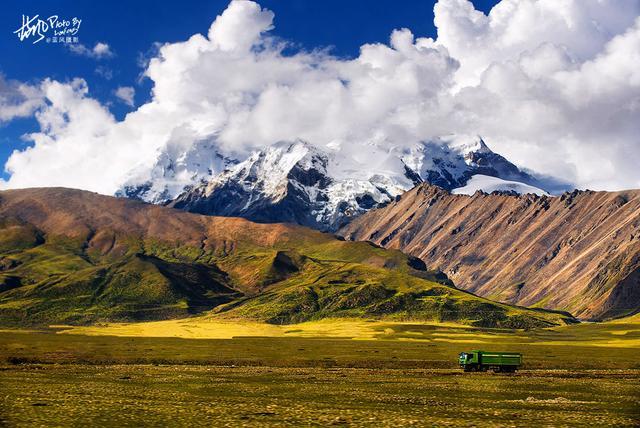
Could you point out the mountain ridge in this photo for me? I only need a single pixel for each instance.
(578, 252)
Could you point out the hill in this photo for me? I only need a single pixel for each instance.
(579, 252)
(70, 256)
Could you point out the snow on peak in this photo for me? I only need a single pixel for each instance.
(490, 184)
(177, 167)
(268, 170)
(465, 144)
(295, 181)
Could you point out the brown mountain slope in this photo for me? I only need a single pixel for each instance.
(80, 214)
(110, 227)
(74, 257)
(579, 252)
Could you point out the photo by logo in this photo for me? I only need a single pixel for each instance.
(52, 29)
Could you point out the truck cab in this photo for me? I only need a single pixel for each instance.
(466, 359)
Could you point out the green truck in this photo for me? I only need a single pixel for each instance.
(481, 361)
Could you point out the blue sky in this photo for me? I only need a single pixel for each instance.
(132, 28)
(551, 86)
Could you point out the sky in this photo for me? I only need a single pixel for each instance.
(132, 30)
(552, 85)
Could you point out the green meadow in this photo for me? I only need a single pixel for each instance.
(201, 395)
(200, 371)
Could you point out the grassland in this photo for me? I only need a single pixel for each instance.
(260, 396)
(330, 372)
(335, 343)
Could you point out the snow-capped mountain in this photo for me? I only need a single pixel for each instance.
(325, 188)
(179, 165)
(449, 162)
(296, 182)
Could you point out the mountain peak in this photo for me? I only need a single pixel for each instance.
(465, 144)
(267, 170)
(177, 167)
(296, 181)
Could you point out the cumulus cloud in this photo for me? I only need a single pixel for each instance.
(100, 50)
(553, 85)
(514, 27)
(126, 94)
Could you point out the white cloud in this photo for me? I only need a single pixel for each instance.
(239, 27)
(100, 50)
(551, 84)
(18, 99)
(513, 27)
(126, 94)
(105, 72)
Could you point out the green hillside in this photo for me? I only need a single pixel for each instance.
(75, 257)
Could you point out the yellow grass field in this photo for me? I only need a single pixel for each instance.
(620, 333)
(346, 372)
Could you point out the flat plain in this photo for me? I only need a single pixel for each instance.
(334, 372)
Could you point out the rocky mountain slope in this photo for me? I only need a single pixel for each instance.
(324, 189)
(579, 252)
(69, 256)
